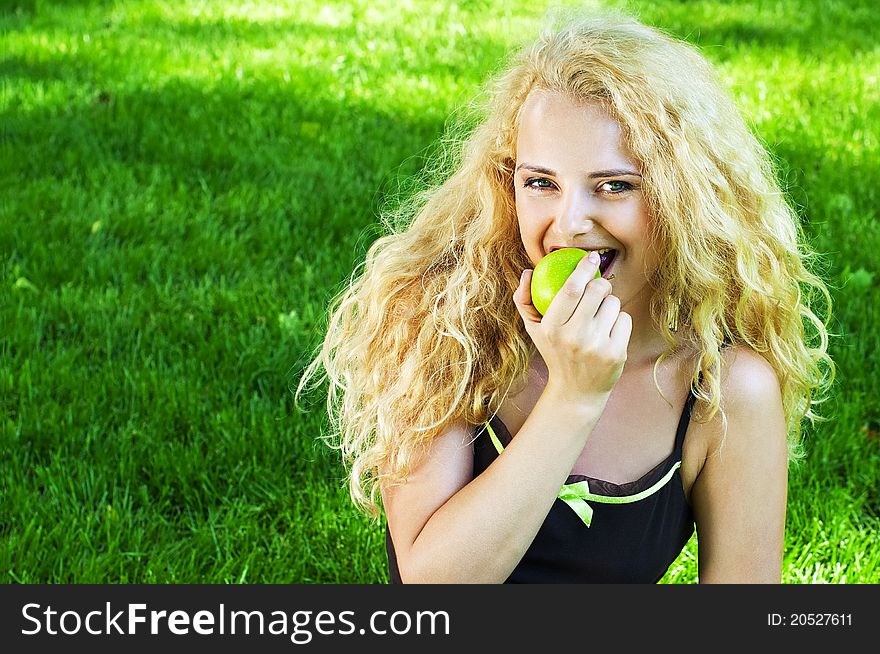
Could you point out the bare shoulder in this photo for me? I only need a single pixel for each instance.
(740, 492)
(750, 381)
(444, 464)
(444, 468)
(751, 404)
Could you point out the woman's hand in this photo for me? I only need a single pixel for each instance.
(583, 336)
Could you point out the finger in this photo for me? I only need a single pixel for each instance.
(621, 332)
(606, 314)
(522, 298)
(586, 311)
(569, 296)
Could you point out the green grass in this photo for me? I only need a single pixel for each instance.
(184, 185)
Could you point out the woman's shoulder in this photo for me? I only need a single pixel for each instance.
(749, 378)
(750, 422)
(751, 416)
(745, 373)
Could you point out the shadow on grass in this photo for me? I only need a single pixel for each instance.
(804, 26)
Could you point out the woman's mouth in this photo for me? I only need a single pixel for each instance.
(607, 261)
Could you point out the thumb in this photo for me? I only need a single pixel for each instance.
(522, 298)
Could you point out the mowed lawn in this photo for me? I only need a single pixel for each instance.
(185, 185)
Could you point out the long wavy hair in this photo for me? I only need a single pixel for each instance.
(427, 332)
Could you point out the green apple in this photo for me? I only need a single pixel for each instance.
(550, 274)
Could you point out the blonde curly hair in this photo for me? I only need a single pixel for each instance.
(427, 333)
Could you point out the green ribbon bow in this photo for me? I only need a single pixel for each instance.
(576, 495)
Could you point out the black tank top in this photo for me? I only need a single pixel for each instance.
(636, 530)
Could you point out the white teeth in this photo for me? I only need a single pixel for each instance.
(602, 251)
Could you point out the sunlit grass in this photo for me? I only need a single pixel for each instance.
(186, 184)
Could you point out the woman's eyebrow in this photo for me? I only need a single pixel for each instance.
(537, 169)
(614, 172)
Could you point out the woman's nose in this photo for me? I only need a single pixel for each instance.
(576, 210)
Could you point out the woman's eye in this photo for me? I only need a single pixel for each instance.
(538, 183)
(616, 187)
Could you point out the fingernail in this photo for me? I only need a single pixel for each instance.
(594, 257)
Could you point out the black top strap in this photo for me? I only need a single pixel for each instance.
(685, 420)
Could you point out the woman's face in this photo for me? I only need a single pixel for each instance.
(577, 186)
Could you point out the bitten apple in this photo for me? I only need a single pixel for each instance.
(550, 274)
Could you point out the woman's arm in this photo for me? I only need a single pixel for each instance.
(739, 496)
(448, 528)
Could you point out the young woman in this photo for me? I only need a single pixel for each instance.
(584, 445)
